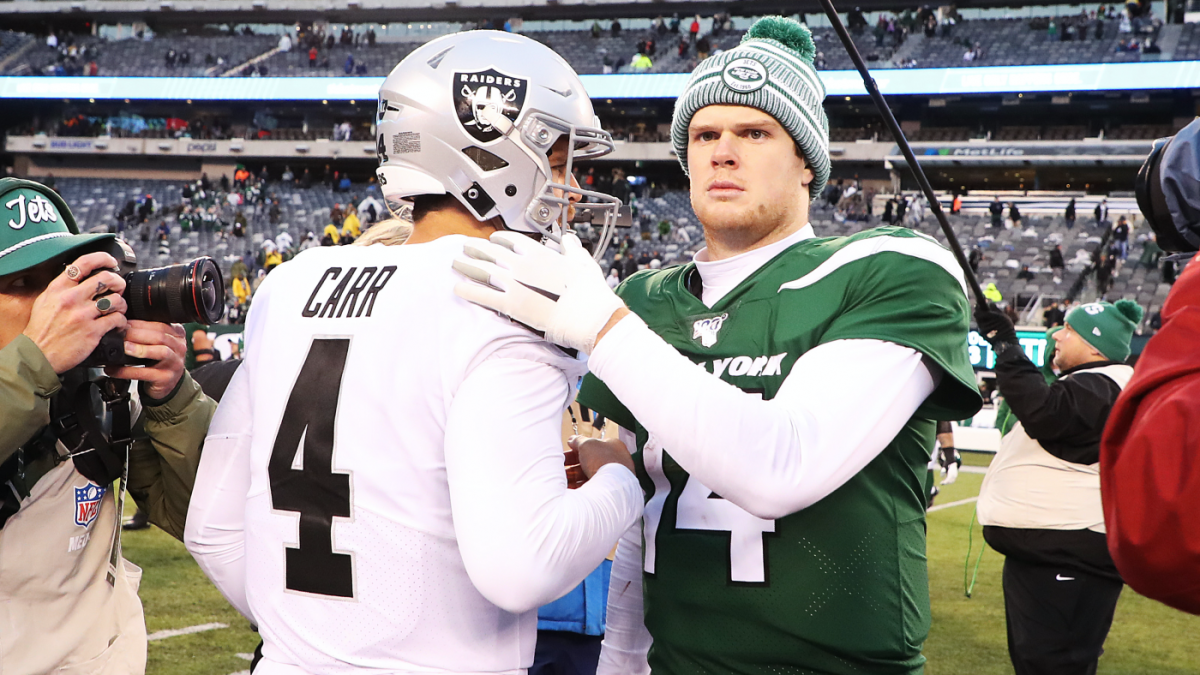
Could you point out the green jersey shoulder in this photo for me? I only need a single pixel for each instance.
(887, 283)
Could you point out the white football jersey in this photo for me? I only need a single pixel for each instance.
(354, 355)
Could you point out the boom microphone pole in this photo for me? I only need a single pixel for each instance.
(898, 135)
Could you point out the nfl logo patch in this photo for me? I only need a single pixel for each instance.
(87, 503)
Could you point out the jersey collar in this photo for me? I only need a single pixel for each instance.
(722, 276)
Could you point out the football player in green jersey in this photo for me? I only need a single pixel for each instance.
(781, 392)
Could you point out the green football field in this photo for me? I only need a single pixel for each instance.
(967, 635)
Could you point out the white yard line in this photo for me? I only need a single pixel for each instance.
(245, 657)
(164, 634)
(947, 505)
(972, 469)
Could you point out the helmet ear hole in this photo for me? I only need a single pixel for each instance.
(511, 190)
(484, 159)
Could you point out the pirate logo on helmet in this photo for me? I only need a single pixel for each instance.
(487, 90)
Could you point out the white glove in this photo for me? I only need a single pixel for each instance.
(950, 460)
(560, 294)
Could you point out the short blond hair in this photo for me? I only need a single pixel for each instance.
(391, 232)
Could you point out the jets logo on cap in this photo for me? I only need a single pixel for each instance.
(744, 75)
(35, 209)
(491, 91)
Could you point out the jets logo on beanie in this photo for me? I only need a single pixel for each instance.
(1107, 327)
(771, 70)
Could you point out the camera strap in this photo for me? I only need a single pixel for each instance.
(100, 457)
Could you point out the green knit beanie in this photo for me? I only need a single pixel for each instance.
(1107, 327)
(771, 70)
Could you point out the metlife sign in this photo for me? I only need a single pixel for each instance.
(982, 355)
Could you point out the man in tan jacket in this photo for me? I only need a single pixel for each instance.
(68, 600)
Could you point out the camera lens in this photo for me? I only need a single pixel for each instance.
(191, 292)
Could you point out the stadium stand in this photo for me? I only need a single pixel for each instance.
(13, 44)
(97, 204)
(193, 56)
(1021, 42)
(999, 42)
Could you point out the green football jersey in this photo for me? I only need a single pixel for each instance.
(841, 586)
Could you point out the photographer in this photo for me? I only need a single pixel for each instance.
(68, 600)
(1149, 475)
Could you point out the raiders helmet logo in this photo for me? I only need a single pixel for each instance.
(489, 89)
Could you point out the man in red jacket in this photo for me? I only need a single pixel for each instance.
(1149, 476)
(1149, 473)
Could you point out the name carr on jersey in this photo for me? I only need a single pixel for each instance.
(345, 297)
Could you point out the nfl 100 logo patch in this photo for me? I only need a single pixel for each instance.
(87, 503)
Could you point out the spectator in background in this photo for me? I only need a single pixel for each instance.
(1053, 316)
(992, 293)
(613, 279)
(615, 28)
(694, 29)
(674, 25)
(640, 63)
(1014, 214)
(997, 211)
(974, 258)
(285, 43)
(1069, 214)
(596, 30)
(1101, 213)
(956, 204)
(1057, 265)
(1025, 274)
(351, 228)
(1052, 31)
(312, 57)
(1121, 238)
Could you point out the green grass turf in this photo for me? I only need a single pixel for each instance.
(967, 636)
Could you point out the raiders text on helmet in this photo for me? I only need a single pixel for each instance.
(475, 115)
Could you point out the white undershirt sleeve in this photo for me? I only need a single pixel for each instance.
(626, 639)
(524, 537)
(216, 522)
(842, 403)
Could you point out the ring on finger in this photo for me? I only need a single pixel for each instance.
(104, 305)
(74, 273)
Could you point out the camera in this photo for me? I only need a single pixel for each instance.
(1168, 190)
(191, 292)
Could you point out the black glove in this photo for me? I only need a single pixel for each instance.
(995, 327)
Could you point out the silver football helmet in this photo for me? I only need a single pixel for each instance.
(475, 115)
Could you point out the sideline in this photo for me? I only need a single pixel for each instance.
(164, 634)
(939, 507)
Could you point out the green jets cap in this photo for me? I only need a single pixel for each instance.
(36, 226)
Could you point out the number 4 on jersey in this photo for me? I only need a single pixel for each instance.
(314, 490)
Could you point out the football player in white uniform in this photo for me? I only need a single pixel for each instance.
(382, 489)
